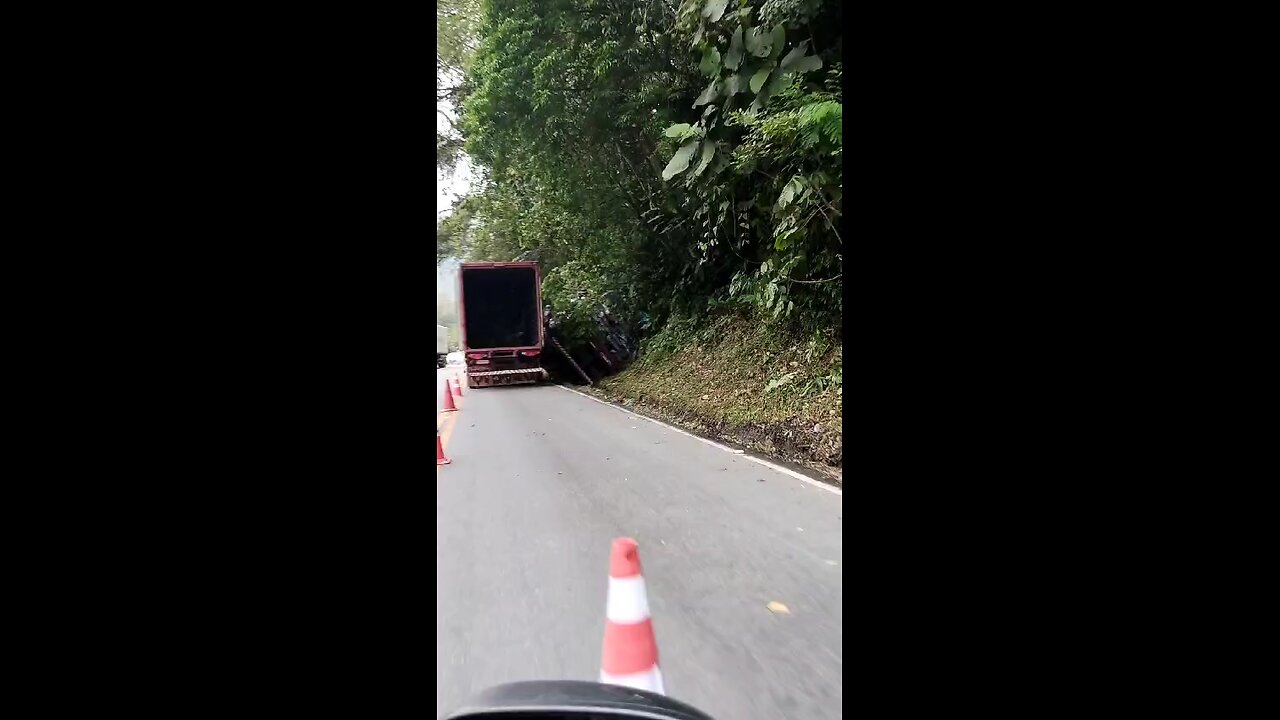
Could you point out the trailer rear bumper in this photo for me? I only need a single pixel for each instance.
(521, 376)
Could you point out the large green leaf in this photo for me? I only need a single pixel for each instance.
(680, 161)
(734, 58)
(757, 80)
(794, 56)
(779, 83)
(712, 91)
(679, 130)
(735, 84)
(708, 151)
(789, 192)
(777, 41)
(731, 86)
(805, 64)
(757, 43)
(710, 64)
(714, 10)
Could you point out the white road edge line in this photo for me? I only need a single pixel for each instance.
(772, 466)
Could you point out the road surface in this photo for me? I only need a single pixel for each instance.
(543, 479)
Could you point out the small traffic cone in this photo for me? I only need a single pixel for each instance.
(630, 656)
(448, 399)
(457, 382)
(440, 458)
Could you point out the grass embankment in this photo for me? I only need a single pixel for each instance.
(733, 378)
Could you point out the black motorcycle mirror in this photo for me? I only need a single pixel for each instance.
(573, 700)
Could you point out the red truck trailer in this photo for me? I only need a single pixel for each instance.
(500, 310)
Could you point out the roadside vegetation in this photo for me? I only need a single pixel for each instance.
(743, 381)
(681, 163)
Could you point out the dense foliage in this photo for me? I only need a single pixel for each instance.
(676, 157)
(456, 25)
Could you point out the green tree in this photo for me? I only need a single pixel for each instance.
(455, 44)
(686, 157)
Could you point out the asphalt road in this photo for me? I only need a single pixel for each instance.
(542, 480)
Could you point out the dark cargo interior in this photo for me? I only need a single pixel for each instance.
(500, 307)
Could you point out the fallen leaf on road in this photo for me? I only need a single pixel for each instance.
(778, 608)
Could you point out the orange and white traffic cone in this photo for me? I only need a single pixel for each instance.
(630, 655)
(440, 458)
(457, 383)
(448, 399)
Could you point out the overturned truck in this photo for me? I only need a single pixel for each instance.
(607, 348)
